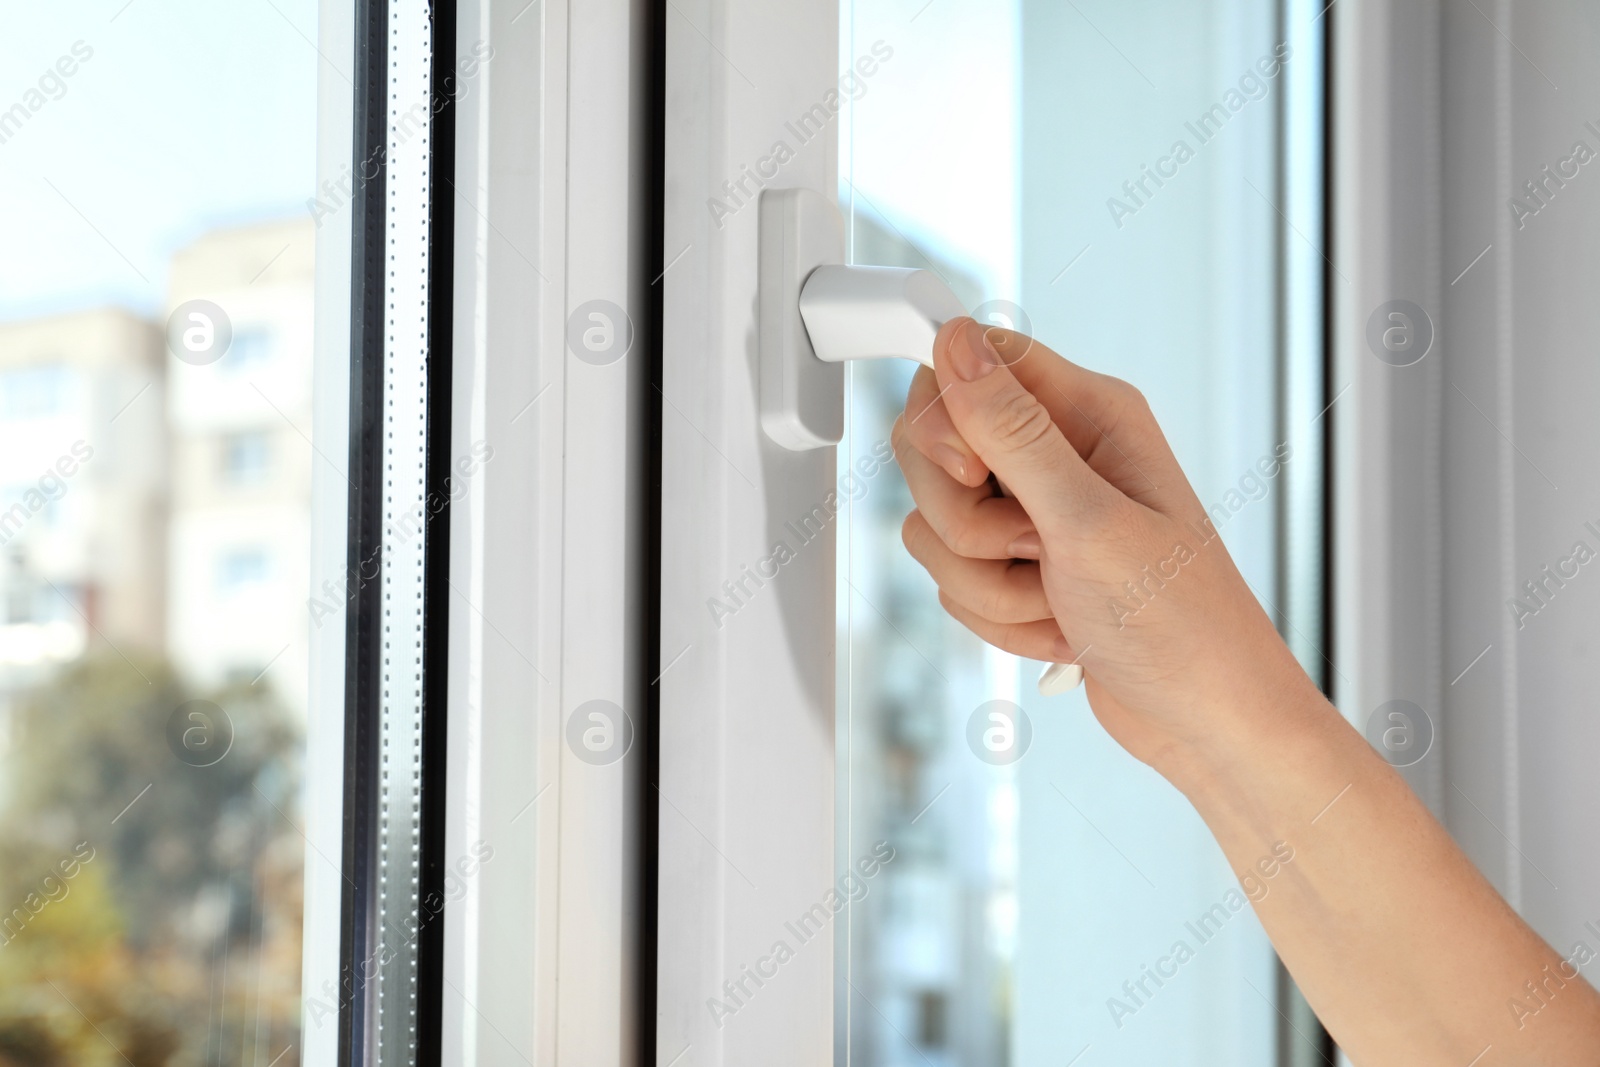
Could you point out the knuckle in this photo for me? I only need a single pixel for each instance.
(1021, 423)
(911, 531)
(952, 609)
(914, 436)
(909, 437)
(919, 536)
(1131, 403)
(920, 396)
(899, 436)
(1129, 395)
(994, 603)
(961, 537)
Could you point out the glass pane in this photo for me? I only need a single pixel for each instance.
(1010, 148)
(156, 162)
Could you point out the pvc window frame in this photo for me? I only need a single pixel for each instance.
(540, 560)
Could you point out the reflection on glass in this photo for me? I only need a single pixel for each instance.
(155, 457)
(1038, 877)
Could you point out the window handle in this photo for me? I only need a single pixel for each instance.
(875, 312)
(816, 313)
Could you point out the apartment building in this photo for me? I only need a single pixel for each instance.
(82, 492)
(239, 425)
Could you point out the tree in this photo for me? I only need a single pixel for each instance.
(145, 842)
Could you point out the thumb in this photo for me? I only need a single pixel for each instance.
(1011, 430)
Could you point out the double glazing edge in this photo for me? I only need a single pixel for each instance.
(391, 917)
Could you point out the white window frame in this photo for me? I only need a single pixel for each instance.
(747, 707)
(546, 543)
(1452, 478)
(330, 504)
(543, 932)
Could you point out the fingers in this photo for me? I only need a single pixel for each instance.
(930, 431)
(1014, 433)
(1040, 640)
(970, 520)
(1106, 420)
(1004, 591)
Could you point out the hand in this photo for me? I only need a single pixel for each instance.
(1185, 670)
(1105, 555)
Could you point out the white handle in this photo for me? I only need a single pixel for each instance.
(875, 312)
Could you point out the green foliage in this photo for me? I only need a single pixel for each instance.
(128, 875)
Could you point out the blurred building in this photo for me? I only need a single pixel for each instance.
(931, 943)
(157, 506)
(82, 492)
(240, 525)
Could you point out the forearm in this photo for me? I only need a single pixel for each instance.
(1405, 951)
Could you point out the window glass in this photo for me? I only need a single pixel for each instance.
(156, 281)
(1039, 871)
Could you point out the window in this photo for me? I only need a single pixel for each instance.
(20, 599)
(158, 160)
(246, 458)
(240, 568)
(33, 392)
(1002, 858)
(250, 351)
(1012, 897)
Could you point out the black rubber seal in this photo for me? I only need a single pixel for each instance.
(365, 530)
(363, 659)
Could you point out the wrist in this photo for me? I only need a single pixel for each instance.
(1252, 733)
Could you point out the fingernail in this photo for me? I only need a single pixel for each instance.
(1027, 546)
(971, 354)
(951, 460)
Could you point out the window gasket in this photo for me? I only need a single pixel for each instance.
(392, 907)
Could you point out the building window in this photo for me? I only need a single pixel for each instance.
(250, 351)
(33, 392)
(20, 509)
(20, 602)
(240, 568)
(246, 458)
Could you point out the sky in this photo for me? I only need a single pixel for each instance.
(936, 153)
(190, 115)
(187, 115)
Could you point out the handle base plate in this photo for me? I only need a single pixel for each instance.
(802, 398)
